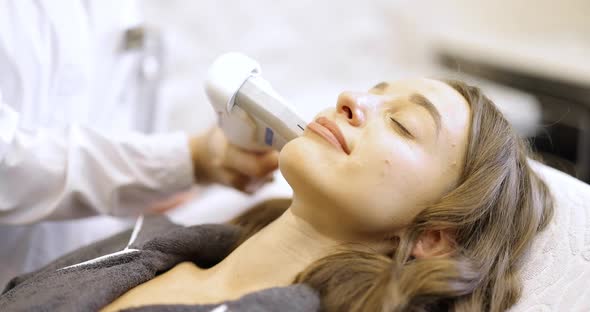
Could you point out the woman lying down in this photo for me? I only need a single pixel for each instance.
(413, 196)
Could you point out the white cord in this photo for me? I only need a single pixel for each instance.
(136, 228)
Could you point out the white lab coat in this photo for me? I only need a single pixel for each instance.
(69, 98)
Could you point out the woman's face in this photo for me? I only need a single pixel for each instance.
(402, 146)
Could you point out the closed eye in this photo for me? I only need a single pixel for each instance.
(402, 128)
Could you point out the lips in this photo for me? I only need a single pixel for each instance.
(330, 131)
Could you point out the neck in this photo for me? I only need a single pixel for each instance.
(272, 257)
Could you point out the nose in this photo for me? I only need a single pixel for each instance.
(354, 107)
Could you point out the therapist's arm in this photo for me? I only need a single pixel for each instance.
(76, 171)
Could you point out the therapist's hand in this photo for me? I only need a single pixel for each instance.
(217, 161)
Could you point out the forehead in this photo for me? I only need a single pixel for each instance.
(453, 108)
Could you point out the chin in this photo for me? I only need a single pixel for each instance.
(311, 171)
(300, 163)
(293, 162)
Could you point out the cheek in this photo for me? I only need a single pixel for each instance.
(376, 189)
(384, 187)
(304, 161)
(290, 160)
(391, 164)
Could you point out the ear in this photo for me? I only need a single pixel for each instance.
(433, 243)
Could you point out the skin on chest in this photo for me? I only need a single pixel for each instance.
(184, 284)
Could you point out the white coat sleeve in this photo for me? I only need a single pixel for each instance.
(52, 174)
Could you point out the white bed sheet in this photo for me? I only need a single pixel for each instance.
(556, 276)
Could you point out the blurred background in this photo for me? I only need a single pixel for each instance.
(529, 56)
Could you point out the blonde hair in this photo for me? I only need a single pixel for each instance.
(496, 210)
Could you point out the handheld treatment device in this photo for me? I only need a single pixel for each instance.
(252, 115)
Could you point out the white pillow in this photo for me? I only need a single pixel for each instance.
(556, 275)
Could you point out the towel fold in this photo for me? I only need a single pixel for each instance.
(162, 245)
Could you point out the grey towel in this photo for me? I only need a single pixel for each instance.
(298, 298)
(163, 245)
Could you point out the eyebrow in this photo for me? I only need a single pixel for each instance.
(421, 100)
(381, 86)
